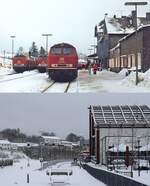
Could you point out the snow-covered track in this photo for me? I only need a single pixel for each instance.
(20, 76)
(56, 87)
(10, 74)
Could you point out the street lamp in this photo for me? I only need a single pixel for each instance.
(46, 43)
(12, 45)
(136, 4)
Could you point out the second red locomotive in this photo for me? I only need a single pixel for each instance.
(62, 62)
(42, 63)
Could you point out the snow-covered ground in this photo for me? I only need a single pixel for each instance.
(104, 81)
(17, 175)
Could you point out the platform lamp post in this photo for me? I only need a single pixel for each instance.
(46, 41)
(136, 4)
(12, 45)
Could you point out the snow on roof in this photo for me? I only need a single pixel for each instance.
(133, 32)
(4, 142)
(120, 148)
(51, 137)
(114, 27)
(20, 144)
(145, 148)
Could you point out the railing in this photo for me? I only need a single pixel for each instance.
(109, 178)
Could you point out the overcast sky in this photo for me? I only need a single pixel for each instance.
(70, 21)
(59, 113)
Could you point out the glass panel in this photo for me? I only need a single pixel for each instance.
(56, 50)
(67, 51)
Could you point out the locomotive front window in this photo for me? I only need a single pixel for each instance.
(67, 51)
(56, 50)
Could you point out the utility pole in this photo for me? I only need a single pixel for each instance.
(136, 4)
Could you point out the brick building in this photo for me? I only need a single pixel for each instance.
(110, 30)
(123, 54)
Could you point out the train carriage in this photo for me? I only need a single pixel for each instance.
(63, 62)
(22, 63)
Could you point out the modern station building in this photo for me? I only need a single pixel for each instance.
(114, 126)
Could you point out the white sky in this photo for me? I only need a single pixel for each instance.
(59, 113)
(70, 21)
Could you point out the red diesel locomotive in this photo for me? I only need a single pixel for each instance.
(22, 63)
(42, 64)
(62, 62)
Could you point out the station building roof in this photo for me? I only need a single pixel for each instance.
(121, 116)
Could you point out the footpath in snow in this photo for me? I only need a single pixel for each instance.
(17, 175)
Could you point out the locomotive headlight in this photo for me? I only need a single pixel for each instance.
(70, 65)
(53, 65)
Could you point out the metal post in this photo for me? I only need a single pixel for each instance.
(138, 157)
(28, 178)
(97, 145)
(132, 155)
(136, 43)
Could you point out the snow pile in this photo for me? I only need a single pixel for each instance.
(123, 72)
(131, 79)
(3, 155)
(146, 82)
(12, 155)
(143, 78)
(5, 70)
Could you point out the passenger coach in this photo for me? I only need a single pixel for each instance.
(62, 62)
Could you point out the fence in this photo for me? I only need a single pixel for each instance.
(109, 178)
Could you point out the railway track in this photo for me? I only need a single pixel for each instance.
(47, 87)
(67, 88)
(52, 84)
(15, 78)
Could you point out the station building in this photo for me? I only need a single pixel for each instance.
(114, 126)
(123, 54)
(111, 29)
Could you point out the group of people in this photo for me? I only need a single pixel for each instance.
(94, 67)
